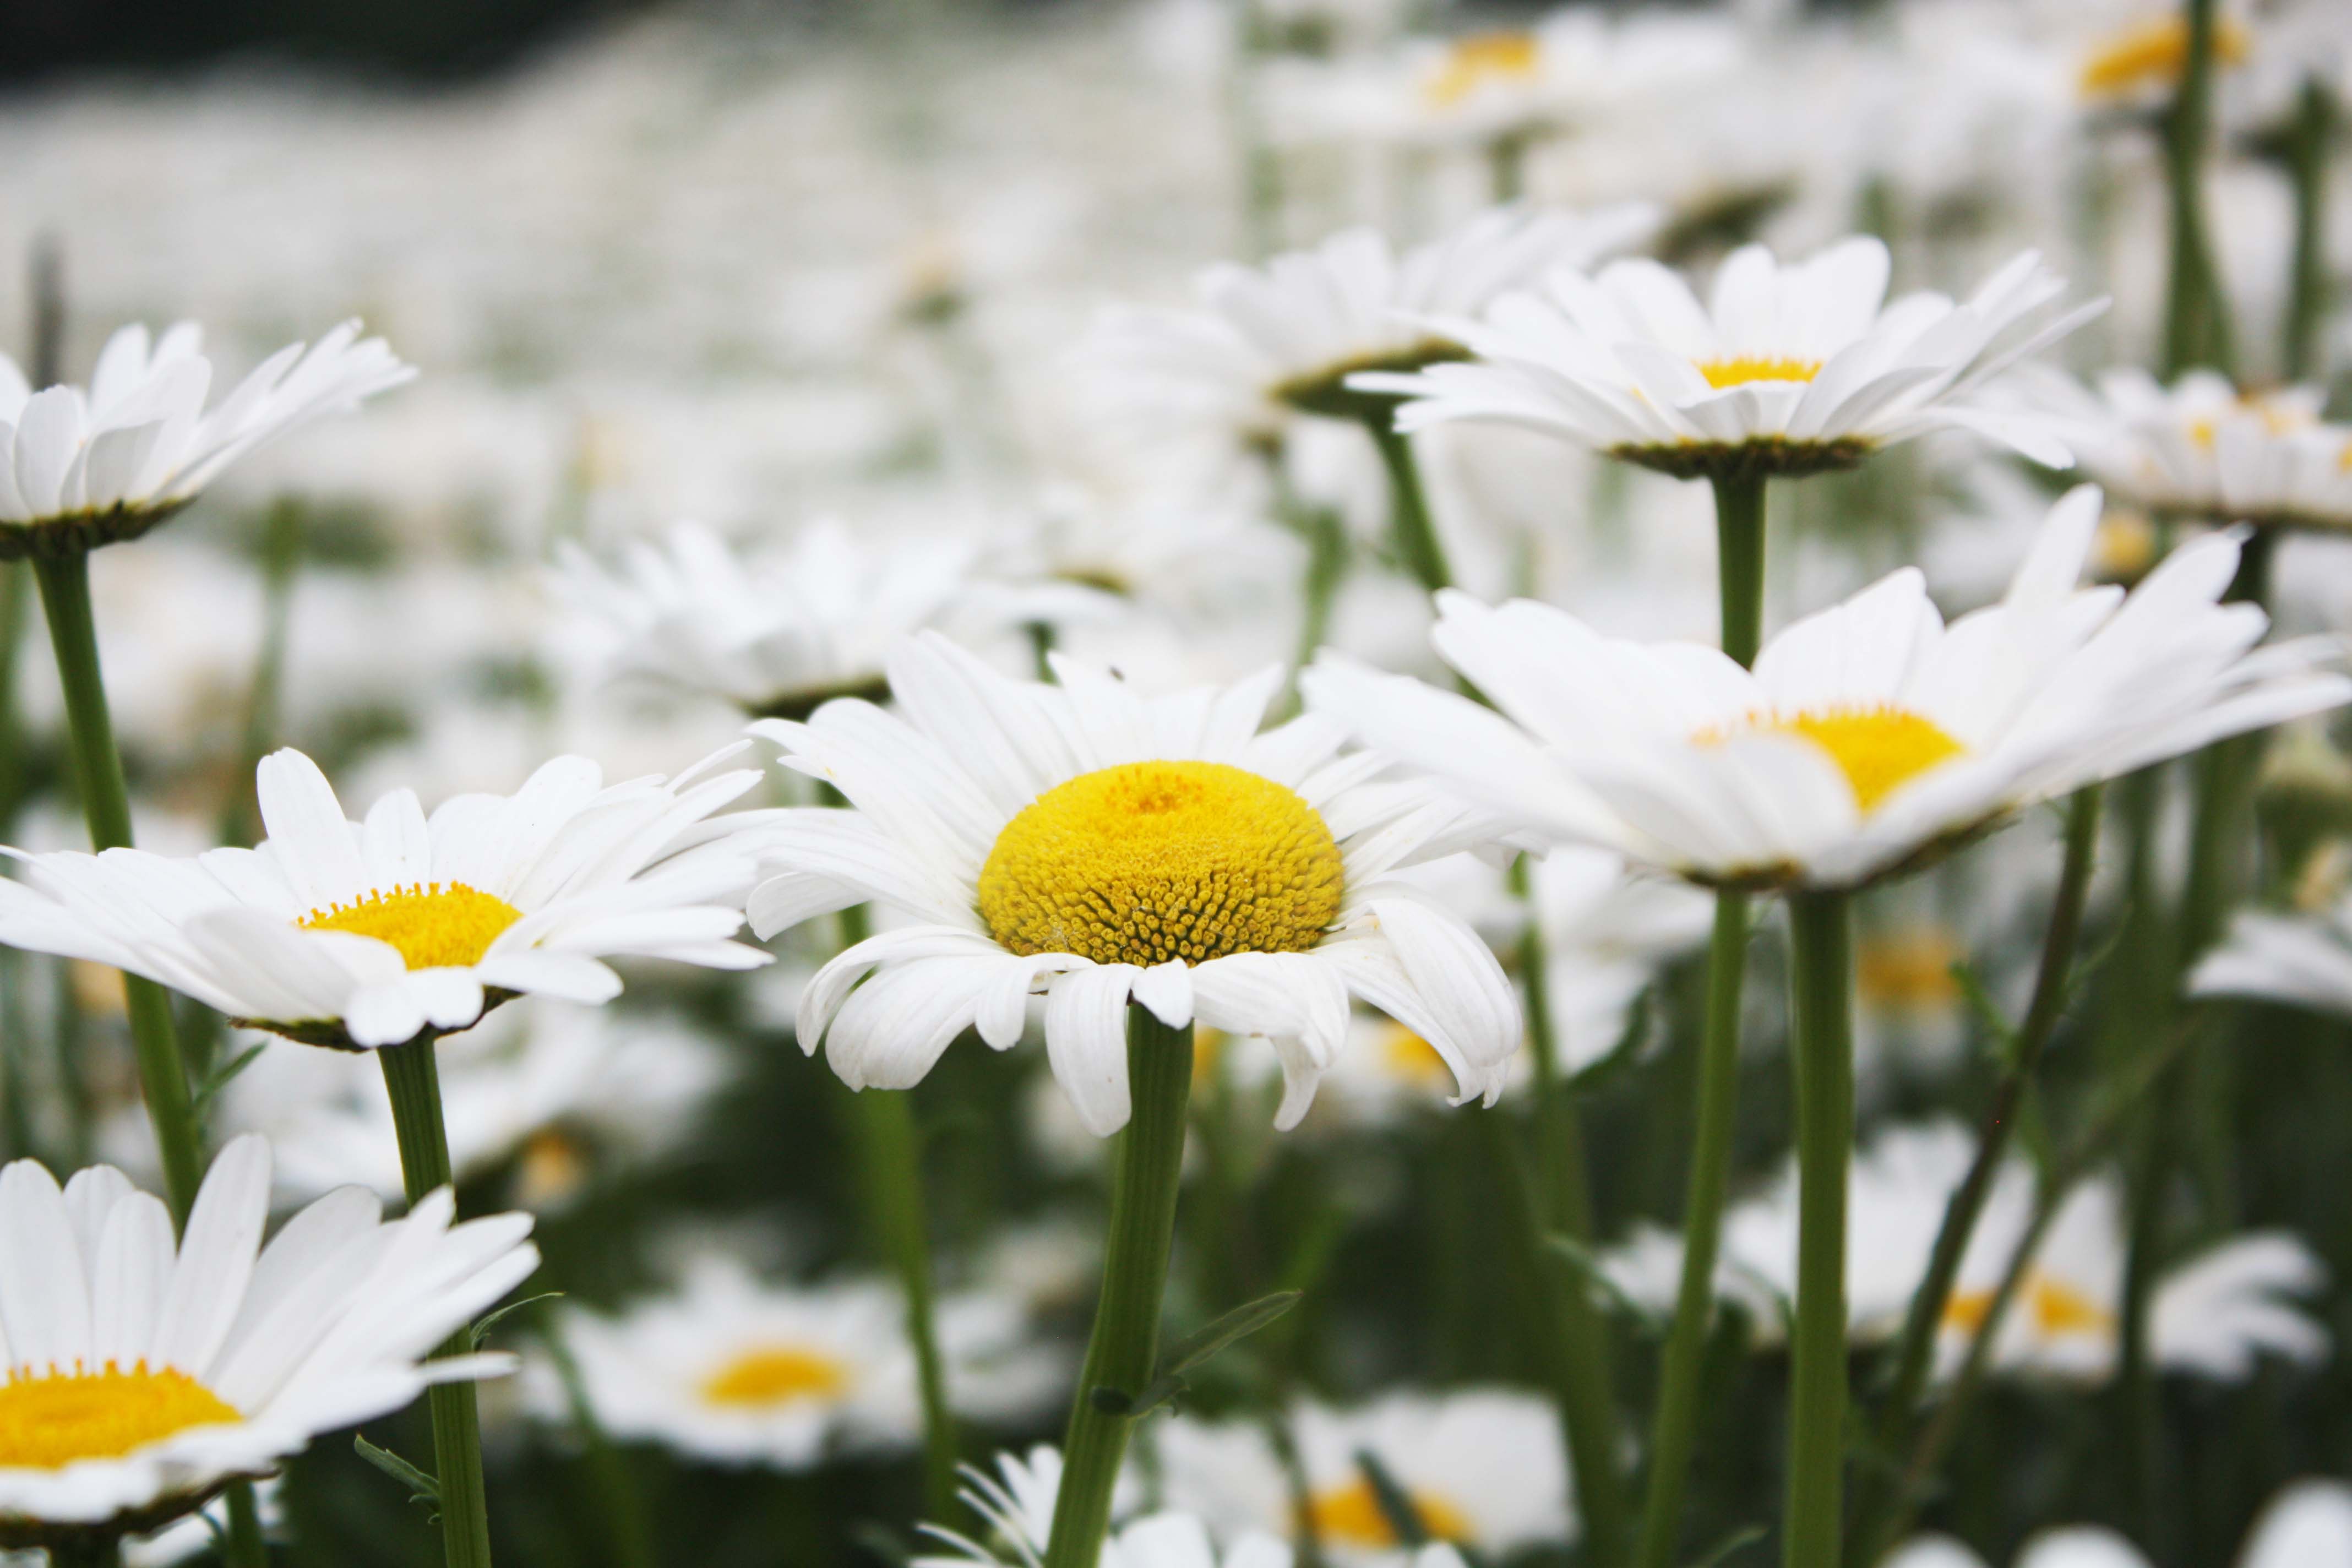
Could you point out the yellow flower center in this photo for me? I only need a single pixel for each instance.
(2154, 53)
(1909, 971)
(1879, 750)
(1208, 1054)
(49, 1420)
(1742, 369)
(2123, 548)
(2057, 1307)
(1409, 1057)
(1482, 59)
(1351, 1515)
(772, 1375)
(435, 925)
(1151, 861)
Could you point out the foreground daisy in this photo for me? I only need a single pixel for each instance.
(142, 1375)
(1095, 845)
(1788, 369)
(1865, 736)
(776, 633)
(83, 466)
(740, 1371)
(365, 934)
(1483, 1470)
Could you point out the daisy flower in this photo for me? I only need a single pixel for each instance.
(1096, 846)
(1787, 369)
(82, 467)
(776, 633)
(1484, 1470)
(740, 1371)
(364, 934)
(1283, 337)
(2203, 448)
(2307, 1525)
(1867, 735)
(1016, 1508)
(144, 1374)
(2303, 961)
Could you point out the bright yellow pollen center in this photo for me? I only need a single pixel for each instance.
(1909, 970)
(2155, 53)
(1879, 750)
(2057, 1307)
(1481, 59)
(1351, 1515)
(1151, 861)
(1742, 369)
(773, 1375)
(434, 924)
(1409, 1057)
(49, 1421)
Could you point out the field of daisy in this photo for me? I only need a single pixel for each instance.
(1178, 783)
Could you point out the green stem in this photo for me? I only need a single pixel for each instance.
(1820, 985)
(1507, 165)
(1587, 1398)
(15, 599)
(281, 555)
(73, 632)
(1674, 1426)
(1417, 544)
(2197, 316)
(1125, 1346)
(1915, 1353)
(2307, 291)
(616, 1493)
(412, 1078)
(91, 1550)
(245, 1547)
(1739, 562)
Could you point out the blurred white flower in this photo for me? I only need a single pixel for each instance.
(1874, 733)
(368, 934)
(1017, 1506)
(1786, 370)
(83, 466)
(2307, 1525)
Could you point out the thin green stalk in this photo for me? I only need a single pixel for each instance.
(1417, 544)
(615, 1491)
(1125, 1346)
(281, 555)
(1674, 1432)
(1915, 1351)
(2307, 289)
(1674, 1424)
(1327, 564)
(91, 1550)
(16, 593)
(2197, 316)
(1821, 987)
(246, 1546)
(1507, 165)
(412, 1078)
(1586, 1390)
(73, 632)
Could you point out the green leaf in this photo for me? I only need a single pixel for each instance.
(482, 1330)
(1395, 1502)
(221, 1077)
(1191, 1353)
(423, 1490)
(1980, 1001)
(1738, 1540)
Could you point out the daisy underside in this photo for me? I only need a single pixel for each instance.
(79, 533)
(1758, 457)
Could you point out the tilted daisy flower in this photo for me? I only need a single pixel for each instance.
(142, 1374)
(82, 467)
(1285, 336)
(776, 633)
(1016, 1511)
(1094, 844)
(733, 1369)
(1867, 735)
(2202, 449)
(1483, 1469)
(1787, 369)
(362, 934)
(2304, 961)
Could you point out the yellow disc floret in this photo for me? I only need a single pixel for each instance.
(771, 1375)
(1473, 62)
(1151, 861)
(49, 1420)
(2155, 54)
(1744, 368)
(1351, 1515)
(434, 924)
(1879, 749)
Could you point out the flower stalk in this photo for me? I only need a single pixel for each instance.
(2197, 315)
(1673, 1431)
(1415, 533)
(1124, 1348)
(2307, 285)
(412, 1078)
(1821, 930)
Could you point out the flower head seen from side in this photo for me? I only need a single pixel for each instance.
(364, 934)
(733, 1369)
(1096, 846)
(1787, 369)
(2307, 1525)
(83, 466)
(1867, 736)
(775, 633)
(2303, 961)
(1282, 338)
(1015, 1506)
(142, 1374)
